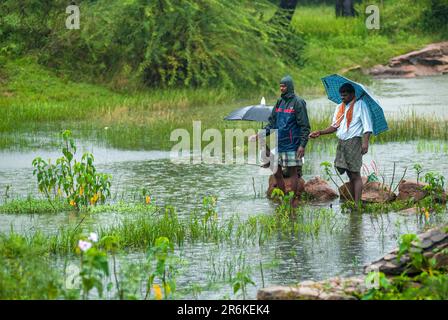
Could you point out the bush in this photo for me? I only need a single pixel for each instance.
(25, 27)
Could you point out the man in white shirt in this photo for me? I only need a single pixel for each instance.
(353, 126)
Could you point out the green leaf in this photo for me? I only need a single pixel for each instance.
(236, 287)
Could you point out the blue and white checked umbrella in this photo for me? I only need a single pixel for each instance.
(334, 82)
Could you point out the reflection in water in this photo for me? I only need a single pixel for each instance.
(351, 248)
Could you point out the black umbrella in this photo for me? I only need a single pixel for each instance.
(259, 112)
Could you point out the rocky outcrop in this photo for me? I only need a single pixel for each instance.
(410, 211)
(317, 189)
(375, 192)
(410, 189)
(331, 289)
(288, 184)
(372, 192)
(431, 60)
(433, 244)
(344, 190)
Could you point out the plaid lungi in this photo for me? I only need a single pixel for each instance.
(289, 159)
(349, 155)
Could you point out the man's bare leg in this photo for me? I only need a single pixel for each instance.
(294, 184)
(355, 186)
(279, 178)
(295, 178)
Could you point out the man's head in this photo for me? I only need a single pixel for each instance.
(347, 92)
(286, 85)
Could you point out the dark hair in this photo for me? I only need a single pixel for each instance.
(347, 87)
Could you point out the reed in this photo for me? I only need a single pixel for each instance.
(141, 227)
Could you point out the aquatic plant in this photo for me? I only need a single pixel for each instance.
(164, 271)
(143, 224)
(240, 282)
(78, 181)
(34, 206)
(418, 170)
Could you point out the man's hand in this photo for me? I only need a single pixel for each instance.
(253, 137)
(300, 152)
(364, 148)
(314, 134)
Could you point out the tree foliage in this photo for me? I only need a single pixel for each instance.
(164, 43)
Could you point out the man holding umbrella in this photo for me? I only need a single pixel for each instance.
(289, 116)
(353, 126)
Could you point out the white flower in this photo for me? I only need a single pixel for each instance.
(84, 245)
(93, 237)
(106, 128)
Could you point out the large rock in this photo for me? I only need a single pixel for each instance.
(375, 192)
(288, 184)
(331, 289)
(431, 60)
(409, 211)
(433, 244)
(319, 190)
(372, 192)
(410, 189)
(344, 190)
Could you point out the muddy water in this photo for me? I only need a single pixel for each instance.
(240, 189)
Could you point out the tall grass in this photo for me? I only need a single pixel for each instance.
(140, 229)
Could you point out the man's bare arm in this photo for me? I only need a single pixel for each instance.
(365, 143)
(319, 133)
